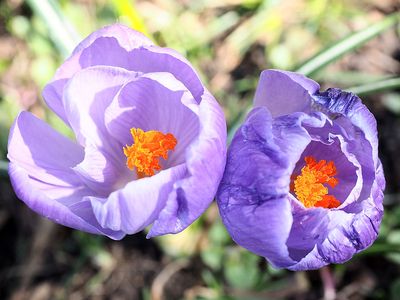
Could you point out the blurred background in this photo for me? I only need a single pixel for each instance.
(351, 44)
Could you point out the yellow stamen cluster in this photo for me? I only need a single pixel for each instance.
(147, 149)
(309, 185)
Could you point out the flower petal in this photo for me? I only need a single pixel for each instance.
(151, 59)
(100, 174)
(252, 197)
(309, 228)
(135, 206)
(284, 92)
(205, 160)
(39, 149)
(127, 38)
(118, 40)
(348, 233)
(125, 48)
(86, 98)
(349, 105)
(41, 174)
(146, 59)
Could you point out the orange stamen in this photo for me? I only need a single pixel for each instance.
(309, 185)
(147, 149)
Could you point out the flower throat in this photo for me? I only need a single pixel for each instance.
(309, 185)
(147, 148)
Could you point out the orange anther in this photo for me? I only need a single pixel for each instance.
(147, 149)
(309, 185)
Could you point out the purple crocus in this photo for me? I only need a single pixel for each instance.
(303, 185)
(150, 140)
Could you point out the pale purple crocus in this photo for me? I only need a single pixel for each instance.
(115, 80)
(303, 185)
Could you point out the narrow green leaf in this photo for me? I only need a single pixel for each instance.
(349, 79)
(3, 168)
(375, 87)
(60, 29)
(380, 248)
(347, 44)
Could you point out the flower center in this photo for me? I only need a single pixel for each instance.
(147, 148)
(309, 185)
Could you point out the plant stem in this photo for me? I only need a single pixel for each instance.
(328, 283)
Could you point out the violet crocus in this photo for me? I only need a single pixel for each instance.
(150, 144)
(303, 184)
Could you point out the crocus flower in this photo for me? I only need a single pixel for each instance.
(303, 185)
(150, 140)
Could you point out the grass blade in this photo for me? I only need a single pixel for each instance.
(380, 248)
(60, 30)
(375, 87)
(347, 44)
(347, 79)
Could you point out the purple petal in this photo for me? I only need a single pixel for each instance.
(359, 152)
(146, 59)
(133, 54)
(347, 234)
(252, 197)
(39, 149)
(361, 117)
(309, 228)
(100, 174)
(349, 105)
(151, 59)
(41, 174)
(125, 39)
(86, 98)
(205, 160)
(135, 206)
(52, 95)
(284, 92)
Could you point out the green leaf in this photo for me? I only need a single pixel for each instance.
(60, 30)
(380, 249)
(375, 87)
(349, 79)
(347, 44)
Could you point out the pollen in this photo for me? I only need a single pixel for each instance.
(147, 149)
(311, 186)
